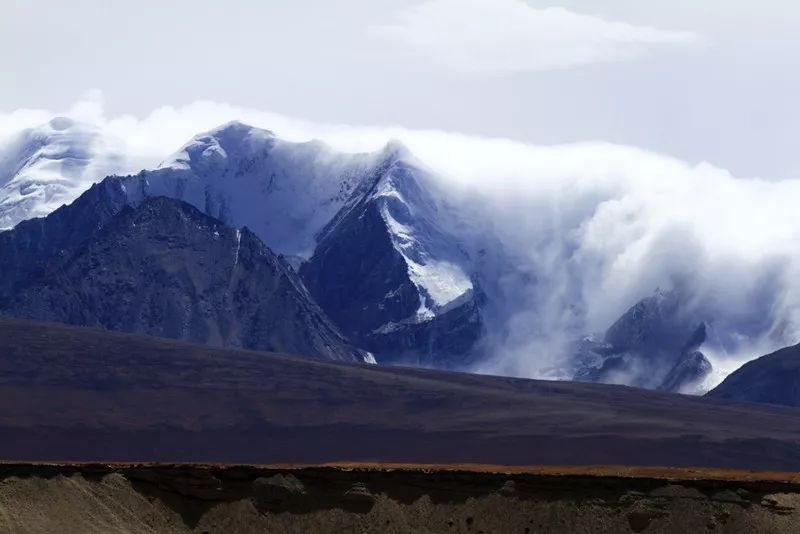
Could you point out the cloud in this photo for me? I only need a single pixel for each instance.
(499, 36)
(566, 237)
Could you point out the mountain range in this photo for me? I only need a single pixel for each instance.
(242, 239)
(360, 229)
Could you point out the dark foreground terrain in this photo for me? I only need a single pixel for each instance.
(94, 498)
(78, 394)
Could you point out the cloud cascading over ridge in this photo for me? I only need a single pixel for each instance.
(498, 36)
(565, 237)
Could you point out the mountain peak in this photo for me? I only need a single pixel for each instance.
(61, 123)
(237, 130)
(232, 139)
(396, 150)
(653, 344)
(61, 130)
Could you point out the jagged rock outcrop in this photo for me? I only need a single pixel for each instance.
(26, 250)
(162, 267)
(387, 273)
(690, 368)
(653, 345)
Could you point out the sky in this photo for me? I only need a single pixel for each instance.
(712, 81)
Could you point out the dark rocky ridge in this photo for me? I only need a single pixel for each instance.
(773, 379)
(162, 267)
(690, 367)
(654, 345)
(25, 250)
(362, 281)
(353, 271)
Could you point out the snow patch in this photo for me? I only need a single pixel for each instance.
(284, 192)
(238, 245)
(45, 167)
(441, 283)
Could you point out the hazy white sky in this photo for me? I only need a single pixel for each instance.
(710, 80)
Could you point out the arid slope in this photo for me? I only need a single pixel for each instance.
(81, 394)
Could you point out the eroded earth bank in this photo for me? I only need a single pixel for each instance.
(152, 498)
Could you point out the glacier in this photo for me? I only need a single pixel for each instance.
(50, 165)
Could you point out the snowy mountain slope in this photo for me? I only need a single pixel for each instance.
(45, 167)
(436, 266)
(391, 276)
(284, 192)
(303, 197)
(411, 216)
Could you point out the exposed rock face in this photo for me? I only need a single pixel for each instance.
(164, 268)
(773, 379)
(446, 341)
(358, 275)
(25, 250)
(653, 345)
(391, 278)
(689, 369)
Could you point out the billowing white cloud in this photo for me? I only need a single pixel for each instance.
(496, 36)
(566, 237)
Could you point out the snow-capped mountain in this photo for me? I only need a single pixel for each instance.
(376, 259)
(285, 192)
(388, 273)
(380, 248)
(305, 201)
(45, 167)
